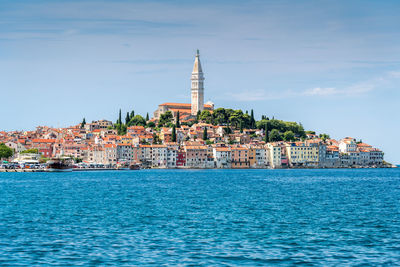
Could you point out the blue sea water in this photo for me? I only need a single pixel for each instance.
(201, 217)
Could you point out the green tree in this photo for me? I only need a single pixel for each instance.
(178, 123)
(325, 136)
(5, 151)
(205, 116)
(266, 133)
(119, 117)
(252, 120)
(127, 118)
(275, 136)
(288, 136)
(173, 137)
(132, 114)
(83, 123)
(137, 121)
(151, 124)
(165, 118)
(205, 136)
(147, 116)
(29, 151)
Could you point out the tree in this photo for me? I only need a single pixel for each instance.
(324, 137)
(147, 117)
(275, 136)
(252, 120)
(132, 114)
(127, 118)
(266, 133)
(205, 116)
(178, 123)
(120, 117)
(288, 136)
(83, 123)
(151, 124)
(30, 151)
(241, 127)
(205, 136)
(137, 121)
(165, 118)
(5, 151)
(173, 137)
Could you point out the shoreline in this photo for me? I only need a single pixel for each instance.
(115, 169)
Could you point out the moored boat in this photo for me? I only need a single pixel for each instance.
(134, 166)
(60, 165)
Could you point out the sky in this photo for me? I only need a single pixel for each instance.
(334, 66)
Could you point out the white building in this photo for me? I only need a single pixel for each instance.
(222, 157)
(274, 152)
(197, 87)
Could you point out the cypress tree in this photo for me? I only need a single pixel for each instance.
(132, 114)
(120, 117)
(173, 133)
(83, 123)
(241, 127)
(147, 117)
(252, 120)
(178, 123)
(266, 133)
(205, 136)
(127, 118)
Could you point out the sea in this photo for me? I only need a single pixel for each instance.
(201, 218)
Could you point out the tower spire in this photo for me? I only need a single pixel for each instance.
(197, 87)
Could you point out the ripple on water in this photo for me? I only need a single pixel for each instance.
(202, 217)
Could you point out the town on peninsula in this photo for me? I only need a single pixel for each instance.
(188, 135)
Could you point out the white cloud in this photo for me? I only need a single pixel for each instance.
(319, 91)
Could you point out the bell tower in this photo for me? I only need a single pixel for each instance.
(197, 87)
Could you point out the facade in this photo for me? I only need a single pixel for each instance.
(188, 111)
(196, 156)
(222, 157)
(300, 154)
(274, 155)
(240, 157)
(197, 87)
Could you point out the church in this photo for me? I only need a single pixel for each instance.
(189, 111)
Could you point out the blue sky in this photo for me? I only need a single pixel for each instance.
(332, 65)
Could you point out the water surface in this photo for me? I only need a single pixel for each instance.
(201, 217)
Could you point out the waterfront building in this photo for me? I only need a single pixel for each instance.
(240, 157)
(171, 157)
(181, 158)
(159, 155)
(222, 157)
(110, 151)
(300, 154)
(196, 156)
(124, 152)
(274, 155)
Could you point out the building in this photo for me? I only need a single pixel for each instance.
(222, 157)
(274, 155)
(300, 154)
(240, 157)
(197, 87)
(188, 111)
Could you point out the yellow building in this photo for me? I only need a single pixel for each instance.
(300, 154)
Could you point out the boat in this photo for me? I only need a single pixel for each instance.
(123, 166)
(60, 165)
(134, 166)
